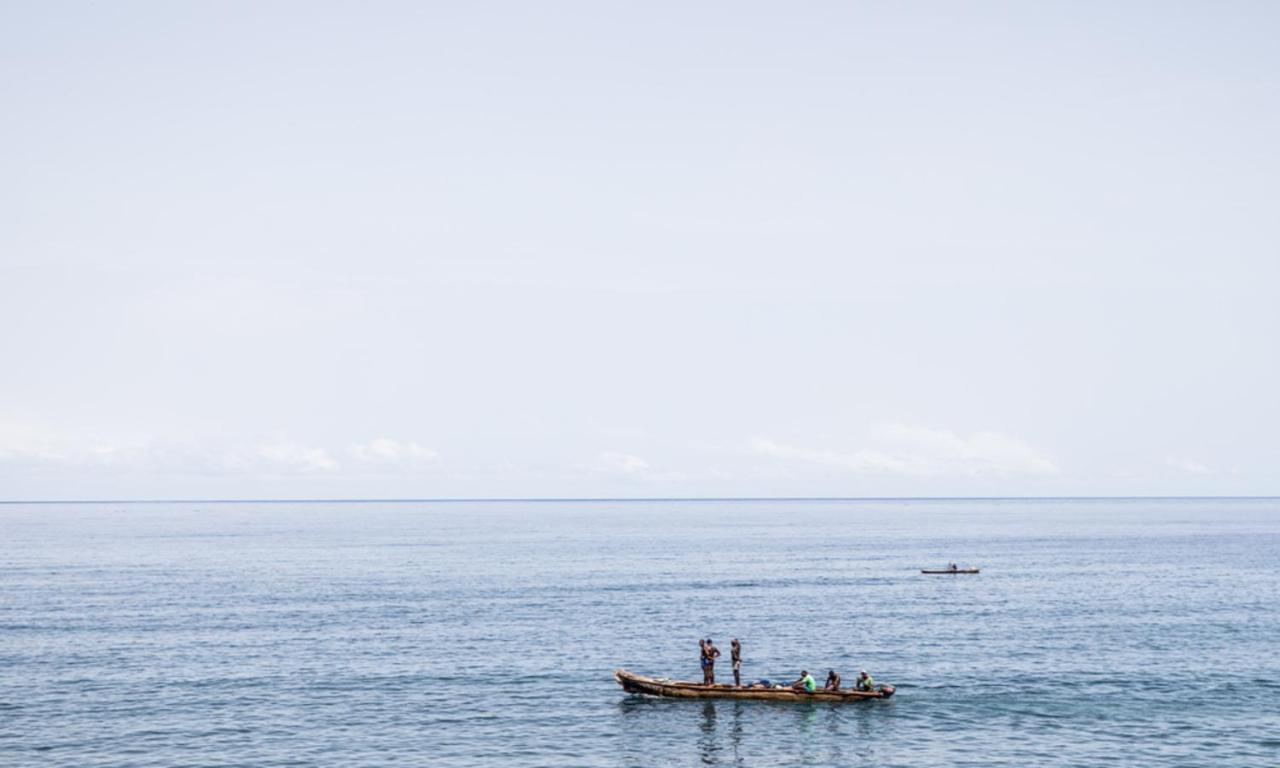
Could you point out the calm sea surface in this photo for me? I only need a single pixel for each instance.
(1101, 632)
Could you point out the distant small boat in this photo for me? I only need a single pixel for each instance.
(661, 686)
(951, 570)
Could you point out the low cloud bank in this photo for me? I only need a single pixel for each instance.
(899, 449)
(28, 446)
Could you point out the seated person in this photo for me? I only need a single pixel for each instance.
(833, 681)
(806, 682)
(864, 682)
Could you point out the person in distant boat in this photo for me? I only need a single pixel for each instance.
(709, 671)
(735, 655)
(864, 682)
(702, 658)
(954, 567)
(806, 682)
(833, 681)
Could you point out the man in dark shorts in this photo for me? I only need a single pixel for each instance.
(709, 671)
(735, 655)
(702, 658)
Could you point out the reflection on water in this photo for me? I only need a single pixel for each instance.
(716, 734)
(707, 745)
(733, 732)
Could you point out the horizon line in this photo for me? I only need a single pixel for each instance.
(626, 499)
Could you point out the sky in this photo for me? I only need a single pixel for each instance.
(624, 249)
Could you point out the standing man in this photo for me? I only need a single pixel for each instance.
(713, 653)
(702, 658)
(735, 655)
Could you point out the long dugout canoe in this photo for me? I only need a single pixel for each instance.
(948, 570)
(680, 689)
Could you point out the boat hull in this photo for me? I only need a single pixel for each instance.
(958, 570)
(679, 689)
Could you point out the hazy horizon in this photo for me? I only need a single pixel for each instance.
(665, 250)
(626, 499)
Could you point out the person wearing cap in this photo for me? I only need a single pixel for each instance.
(864, 682)
(806, 682)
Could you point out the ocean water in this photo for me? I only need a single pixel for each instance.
(1099, 633)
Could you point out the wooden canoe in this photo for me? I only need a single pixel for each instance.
(661, 686)
(948, 570)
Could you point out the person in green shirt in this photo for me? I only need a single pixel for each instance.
(806, 682)
(864, 682)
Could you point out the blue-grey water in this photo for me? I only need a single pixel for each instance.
(1100, 632)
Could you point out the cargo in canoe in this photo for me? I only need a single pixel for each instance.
(951, 570)
(661, 686)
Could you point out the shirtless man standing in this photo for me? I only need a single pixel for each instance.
(709, 671)
(735, 655)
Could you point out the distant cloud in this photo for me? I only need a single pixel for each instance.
(29, 443)
(24, 440)
(32, 446)
(1193, 467)
(910, 450)
(296, 457)
(858, 461)
(387, 452)
(612, 463)
(1188, 465)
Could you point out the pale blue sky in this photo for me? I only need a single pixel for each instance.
(639, 249)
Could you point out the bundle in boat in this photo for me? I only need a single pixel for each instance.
(680, 689)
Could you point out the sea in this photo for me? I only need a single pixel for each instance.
(1100, 632)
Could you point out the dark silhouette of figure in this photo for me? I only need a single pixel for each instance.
(709, 671)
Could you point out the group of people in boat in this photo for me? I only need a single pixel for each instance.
(806, 683)
(708, 653)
